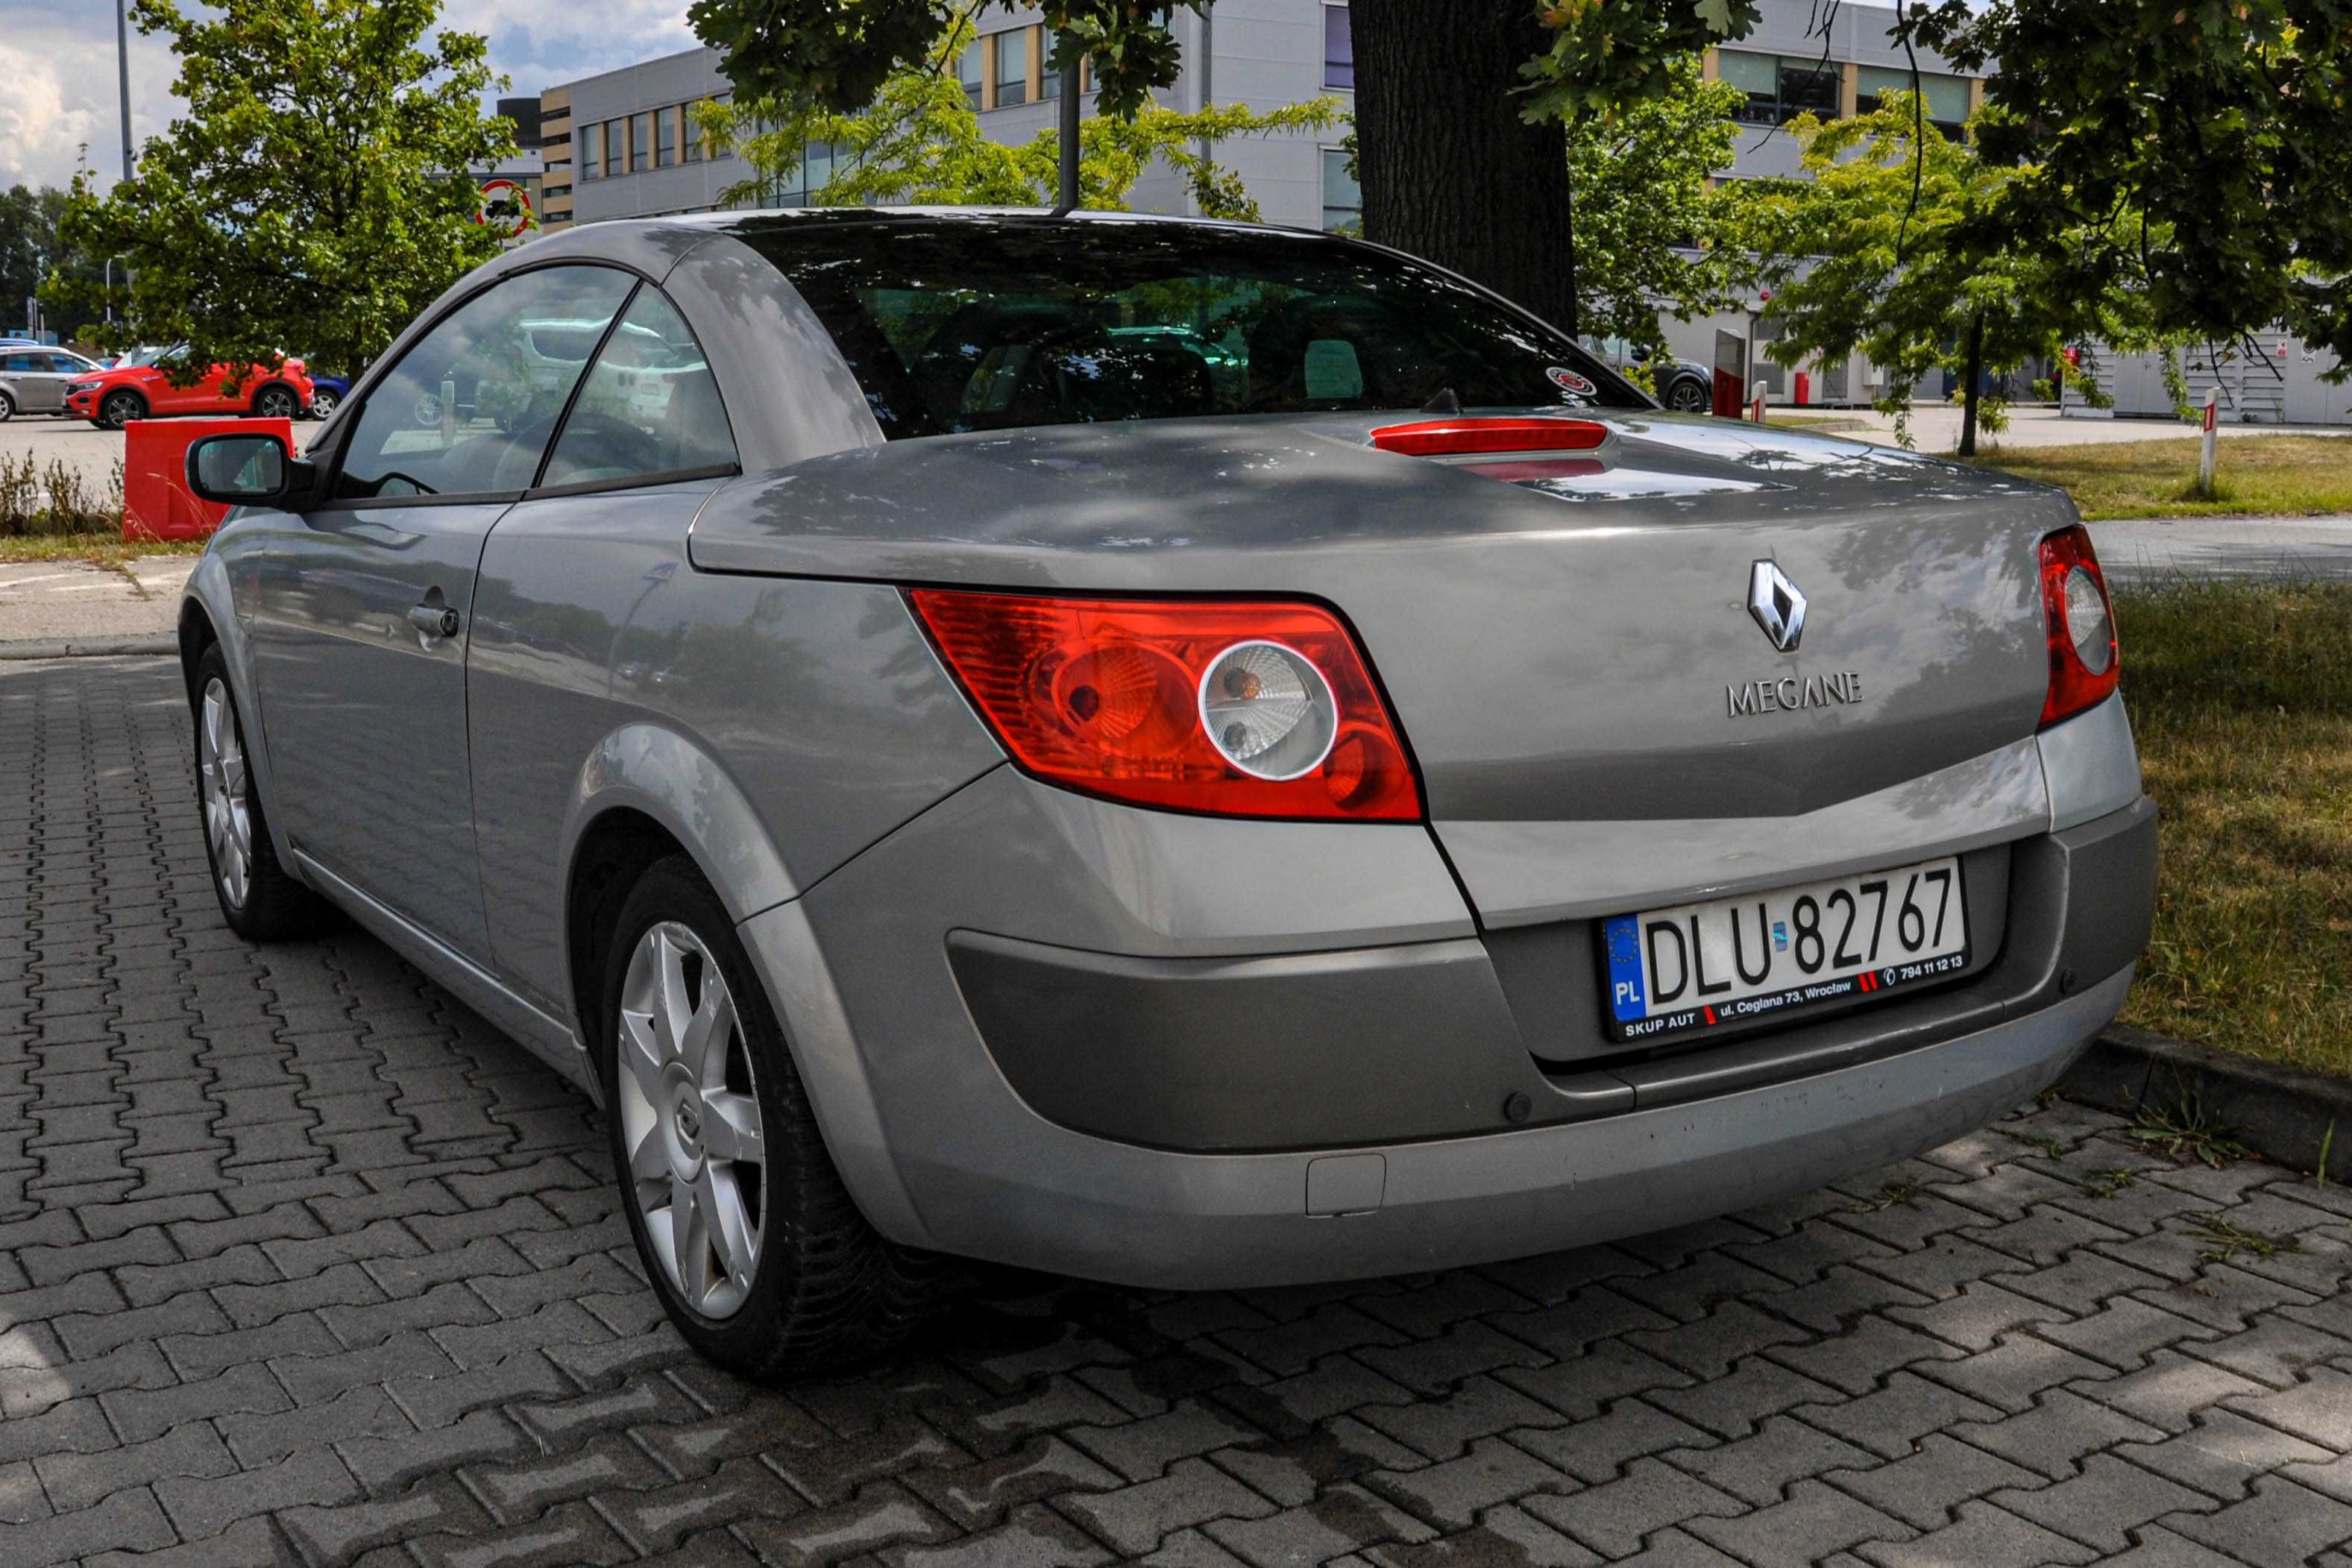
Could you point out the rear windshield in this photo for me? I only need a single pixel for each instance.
(977, 324)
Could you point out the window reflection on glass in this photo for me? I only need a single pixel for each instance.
(1343, 198)
(592, 152)
(649, 406)
(1338, 48)
(1947, 105)
(968, 70)
(473, 403)
(665, 138)
(1011, 68)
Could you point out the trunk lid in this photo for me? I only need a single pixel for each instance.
(1565, 649)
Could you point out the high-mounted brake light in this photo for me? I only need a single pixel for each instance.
(2084, 662)
(1234, 707)
(1461, 437)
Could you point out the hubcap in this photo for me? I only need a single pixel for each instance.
(228, 821)
(689, 1111)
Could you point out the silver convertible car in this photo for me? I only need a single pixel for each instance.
(1177, 753)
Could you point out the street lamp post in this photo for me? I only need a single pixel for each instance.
(123, 64)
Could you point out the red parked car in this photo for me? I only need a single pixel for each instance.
(112, 398)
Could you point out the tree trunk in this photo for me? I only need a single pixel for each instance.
(1449, 170)
(1969, 393)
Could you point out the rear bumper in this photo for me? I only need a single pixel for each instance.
(1143, 1089)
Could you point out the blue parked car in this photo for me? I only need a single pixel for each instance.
(327, 394)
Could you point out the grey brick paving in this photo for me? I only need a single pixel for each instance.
(300, 1262)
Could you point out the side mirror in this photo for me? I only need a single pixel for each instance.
(1641, 354)
(241, 470)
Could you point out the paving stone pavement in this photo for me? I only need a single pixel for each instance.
(301, 1262)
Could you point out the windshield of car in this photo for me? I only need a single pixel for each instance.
(967, 324)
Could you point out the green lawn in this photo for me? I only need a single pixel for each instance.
(2241, 696)
(2255, 477)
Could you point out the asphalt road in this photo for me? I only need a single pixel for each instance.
(301, 1262)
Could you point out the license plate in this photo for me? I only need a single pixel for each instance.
(1732, 960)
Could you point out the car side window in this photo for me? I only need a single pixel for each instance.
(470, 407)
(21, 362)
(649, 406)
(66, 363)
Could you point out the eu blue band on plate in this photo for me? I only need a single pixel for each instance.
(1622, 938)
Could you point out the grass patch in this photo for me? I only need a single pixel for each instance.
(2227, 1240)
(2255, 477)
(98, 550)
(1816, 420)
(2242, 697)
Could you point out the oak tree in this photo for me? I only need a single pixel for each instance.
(315, 194)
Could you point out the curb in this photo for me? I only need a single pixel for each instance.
(111, 648)
(2283, 1113)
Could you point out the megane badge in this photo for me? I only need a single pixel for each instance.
(1777, 605)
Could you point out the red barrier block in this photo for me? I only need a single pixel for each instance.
(156, 501)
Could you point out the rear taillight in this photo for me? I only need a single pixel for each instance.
(2084, 659)
(1458, 437)
(1234, 707)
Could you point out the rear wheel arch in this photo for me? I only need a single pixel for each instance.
(615, 851)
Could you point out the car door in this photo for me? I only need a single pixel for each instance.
(364, 601)
(63, 371)
(22, 381)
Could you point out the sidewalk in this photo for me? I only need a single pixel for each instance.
(2140, 548)
(52, 606)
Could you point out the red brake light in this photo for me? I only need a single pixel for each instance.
(2084, 662)
(1114, 697)
(1454, 438)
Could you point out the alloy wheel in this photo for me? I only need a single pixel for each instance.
(276, 403)
(1687, 397)
(119, 411)
(229, 818)
(7, 408)
(690, 1124)
(322, 403)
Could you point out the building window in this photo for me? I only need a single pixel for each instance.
(1343, 199)
(665, 138)
(1011, 68)
(592, 152)
(723, 151)
(816, 167)
(971, 70)
(616, 158)
(1049, 81)
(1338, 48)
(1782, 86)
(690, 132)
(640, 134)
(1948, 96)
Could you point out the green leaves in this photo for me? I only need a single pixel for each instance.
(920, 143)
(837, 55)
(315, 194)
(1609, 54)
(2225, 122)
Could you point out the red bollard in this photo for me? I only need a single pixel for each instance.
(156, 501)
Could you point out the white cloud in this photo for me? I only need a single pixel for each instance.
(59, 67)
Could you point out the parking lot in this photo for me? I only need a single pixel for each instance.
(301, 1261)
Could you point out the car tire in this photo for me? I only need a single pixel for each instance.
(779, 1276)
(7, 408)
(323, 404)
(276, 400)
(260, 900)
(1689, 396)
(118, 409)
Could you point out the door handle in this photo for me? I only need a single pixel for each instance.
(434, 620)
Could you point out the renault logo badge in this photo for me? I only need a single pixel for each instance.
(1777, 605)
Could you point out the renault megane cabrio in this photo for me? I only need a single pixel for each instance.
(1171, 752)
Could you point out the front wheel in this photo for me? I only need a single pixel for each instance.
(7, 408)
(260, 902)
(757, 1252)
(118, 409)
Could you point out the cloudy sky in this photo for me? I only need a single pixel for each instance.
(58, 59)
